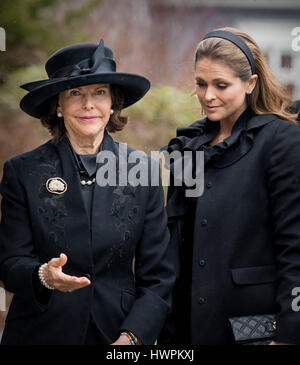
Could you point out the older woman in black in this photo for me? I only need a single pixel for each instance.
(237, 246)
(67, 239)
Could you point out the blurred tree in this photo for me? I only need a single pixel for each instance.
(23, 21)
(154, 119)
(36, 28)
(26, 32)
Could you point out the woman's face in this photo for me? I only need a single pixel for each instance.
(221, 93)
(86, 109)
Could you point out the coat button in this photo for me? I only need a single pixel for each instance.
(204, 222)
(201, 262)
(209, 184)
(88, 276)
(201, 300)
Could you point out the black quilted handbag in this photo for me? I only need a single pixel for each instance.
(253, 330)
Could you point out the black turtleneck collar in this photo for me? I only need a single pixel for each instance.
(240, 123)
(85, 163)
(89, 163)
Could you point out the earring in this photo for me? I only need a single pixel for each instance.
(59, 114)
(111, 111)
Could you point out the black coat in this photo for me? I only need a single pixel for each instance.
(237, 247)
(126, 223)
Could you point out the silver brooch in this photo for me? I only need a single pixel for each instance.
(56, 185)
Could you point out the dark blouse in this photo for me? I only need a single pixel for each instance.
(87, 172)
(211, 152)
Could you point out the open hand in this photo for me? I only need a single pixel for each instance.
(54, 276)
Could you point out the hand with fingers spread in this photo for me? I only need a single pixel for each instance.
(55, 278)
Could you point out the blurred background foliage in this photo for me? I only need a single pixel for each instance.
(154, 119)
(40, 26)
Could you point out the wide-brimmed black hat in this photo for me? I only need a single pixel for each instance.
(78, 65)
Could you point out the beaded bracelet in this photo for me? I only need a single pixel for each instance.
(136, 339)
(132, 340)
(42, 278)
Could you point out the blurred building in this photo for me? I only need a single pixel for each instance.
(275, 25)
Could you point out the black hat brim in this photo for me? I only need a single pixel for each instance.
(36, 102)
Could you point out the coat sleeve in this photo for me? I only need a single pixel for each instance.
(18, 260)
(284, 192)
(154, 272)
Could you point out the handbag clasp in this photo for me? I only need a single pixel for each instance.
(271, 326)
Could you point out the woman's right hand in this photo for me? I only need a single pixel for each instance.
(55, 278)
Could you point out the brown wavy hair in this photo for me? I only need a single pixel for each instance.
(56, 125)
(268, 96)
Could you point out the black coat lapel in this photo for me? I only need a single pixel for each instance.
(241, 140)
(78, 225)
(101, 205)
(73, 197)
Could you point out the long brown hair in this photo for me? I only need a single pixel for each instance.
(268, 96)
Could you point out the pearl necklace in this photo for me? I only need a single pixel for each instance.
(81, 169)
(87, 182)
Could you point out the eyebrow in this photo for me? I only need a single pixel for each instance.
(106, 86)
(215, 80)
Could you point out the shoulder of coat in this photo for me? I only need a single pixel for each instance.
(33, 154)
(271, 120)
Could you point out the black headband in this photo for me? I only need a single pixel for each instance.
(238, 41)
